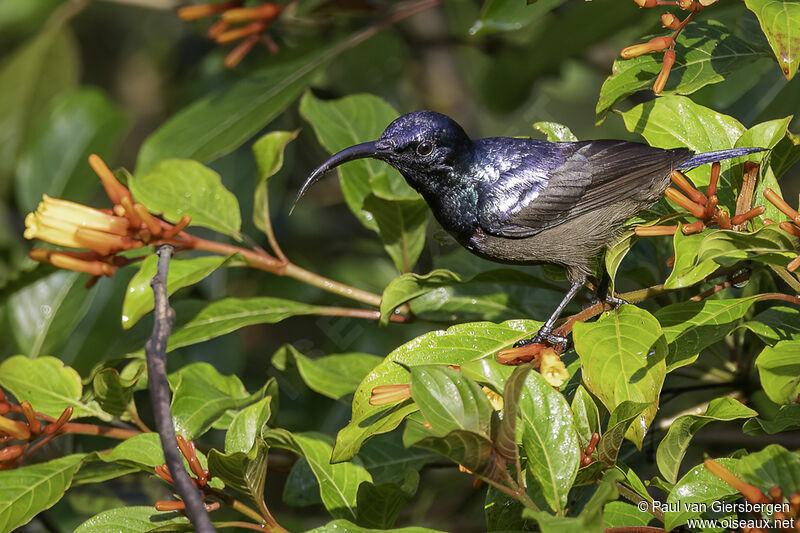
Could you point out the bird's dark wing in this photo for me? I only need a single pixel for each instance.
(589, 175)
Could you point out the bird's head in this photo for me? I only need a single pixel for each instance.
(420, 145)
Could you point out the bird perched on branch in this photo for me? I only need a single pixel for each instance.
(526, 201)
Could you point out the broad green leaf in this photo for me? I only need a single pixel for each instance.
(408, 286)
(774, 465)
(48, 384)
(624, 514)
(488, 371)
(94, 471)
(787, 418)
(780, 21)
(506, 439)
(776, 324)
(779, 370)
(335, 376)
(345, 526)
(32, 77)
(455, 346)
(474, 451)
(585, 414)
(674, 445)
(230, 314)
(510, 15)
(765, 135)
(341, 123)
(268, 151)
(690, 327)
(182, 273)
(379, 505)
(504, 513)
(705, 53)
(623, 359)
(698, 486)
(219, 122)
(248, 423)
(242, 472)
(178, 187)
(449, 400)
(785, 154)
(45, 313)
(28, 490)
(686, 271)
(338, 482)
(142, 451)
(555, 132)
(78, 124)
(618, 425)
(301, 488)
(402, 225)
(563, 524)
(201, 395)
(130, 520)
(550, 440)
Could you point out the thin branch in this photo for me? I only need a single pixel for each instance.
(155, 350)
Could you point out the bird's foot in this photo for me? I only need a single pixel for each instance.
(544, 337)
(610, 299)
(529, 349)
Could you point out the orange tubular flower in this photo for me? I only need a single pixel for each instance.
(661, 80)
(246, 14)
(655, 44)
(115, 190)
(205, 10)
(386, 394)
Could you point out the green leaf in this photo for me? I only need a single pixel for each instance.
(44, 314)
(780, 21)
(504, 513)
(686, 271)
(618, 424)
(242, 472)
(379, 505)
(779, 371)
(28, 490)
(697, 486)
(690, 327)
(506, 439)
(388, 461)
(114, 392)
(510, 15)
(774, 465)
(776, 324)
(585, 414)
(705, 53)
(449, 401)
(455, 346)
(674, 445)
(178, 187)
(268, 151)
(201, 395)
(354, 119)
(130, 520)
(335, 376)
(555, 132)
(787, 418)
(32, 77)
(550, 440)
(401, 225)
(230, 314)
(338, 482)
(623, 514)
(54, 388)
(78, 124)
(623, 359)
(617, 252)
(182, 273)
(408, 286)
(345, 526)
(248, 423)
(221, 121)
(559, 524)
(474, 451)
(141, 451)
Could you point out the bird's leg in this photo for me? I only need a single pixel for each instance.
(545, 333)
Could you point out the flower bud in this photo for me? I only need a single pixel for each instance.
(670, 21)
(646, 3)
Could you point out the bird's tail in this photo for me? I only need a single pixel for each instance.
(718, 155)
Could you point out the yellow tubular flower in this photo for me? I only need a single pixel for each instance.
(55, 212)
(552, 368)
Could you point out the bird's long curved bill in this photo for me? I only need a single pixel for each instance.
(358, 151)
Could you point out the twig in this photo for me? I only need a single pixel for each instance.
(155, 350)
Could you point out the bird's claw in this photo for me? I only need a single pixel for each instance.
(610, 299)
(544, 338)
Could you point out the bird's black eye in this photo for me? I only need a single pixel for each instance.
(425, 148)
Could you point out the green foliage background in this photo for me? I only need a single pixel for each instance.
(146, 91)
